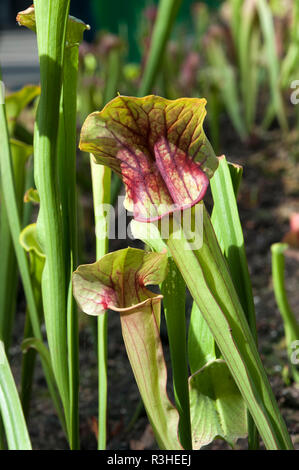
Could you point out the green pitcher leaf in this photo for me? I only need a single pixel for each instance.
(74, 32)
(216, 405)
(31, 195)
(16, 102)
(118, 282)
(29, 241)
(27, 18)
(158, 146)
(20, 153)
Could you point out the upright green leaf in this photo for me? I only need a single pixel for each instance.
(10, 408)
(267, 25)
(167, 12)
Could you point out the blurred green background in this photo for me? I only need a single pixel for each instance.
(117, 16)
(124, 15)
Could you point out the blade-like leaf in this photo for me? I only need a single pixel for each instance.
(227, 225)
(267, 26)
(10, 408)
(290, 323)
(158, 146)
(51, 24)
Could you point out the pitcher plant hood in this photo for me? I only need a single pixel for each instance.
(158, 147)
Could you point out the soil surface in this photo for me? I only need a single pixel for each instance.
(268, 195)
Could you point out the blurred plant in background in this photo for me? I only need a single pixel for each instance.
(242, 58)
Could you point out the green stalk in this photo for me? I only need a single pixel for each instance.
(267, 27)
(290, 60)
(101, 187)
(167, 12)
(67, 175)
(225, 75)
(227, 225)
(51, 20)
(41, 348)
(101, 182)
(206, 274)
(10, 407)
(291, 326)
(248, 47)
(173, 290)
(112, 78)
(236, 6)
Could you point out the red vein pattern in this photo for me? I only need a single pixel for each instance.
(159, 148)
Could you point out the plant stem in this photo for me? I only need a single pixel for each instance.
(225, 215)
(101, 181)
(267, 27)
(10, 200)
(10, 407)
(167, 12)
(291, 326)
(67, 175)
(51, 20)
(101, 187)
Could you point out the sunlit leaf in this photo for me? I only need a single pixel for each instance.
(158, 146)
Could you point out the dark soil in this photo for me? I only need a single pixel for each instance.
(268, 195)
